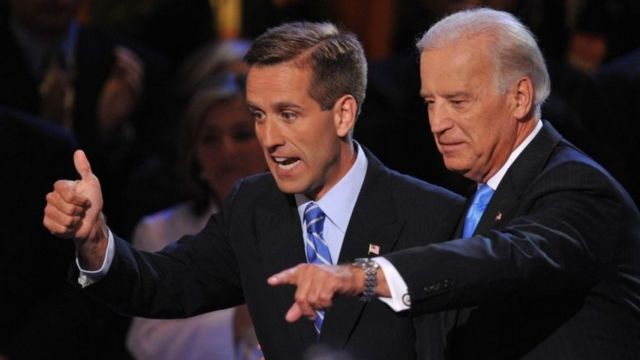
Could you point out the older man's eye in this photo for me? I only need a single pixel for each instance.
(459, 103)
(289, 115)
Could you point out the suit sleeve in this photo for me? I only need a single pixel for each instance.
(561, 236)
(194, 275)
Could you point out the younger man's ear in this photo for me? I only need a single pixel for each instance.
(344, 114)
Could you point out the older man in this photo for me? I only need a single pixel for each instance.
(547, 263)
(326, 200)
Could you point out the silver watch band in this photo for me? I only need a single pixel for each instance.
(370, 268)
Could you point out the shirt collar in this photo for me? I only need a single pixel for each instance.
(339, 201)
(497, 178)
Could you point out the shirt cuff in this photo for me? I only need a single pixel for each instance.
(399, 300)
(88, 277)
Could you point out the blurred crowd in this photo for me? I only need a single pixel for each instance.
(152, 90)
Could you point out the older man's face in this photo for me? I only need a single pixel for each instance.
(472, 122)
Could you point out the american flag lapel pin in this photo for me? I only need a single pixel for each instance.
(374, 249)
(498, 216)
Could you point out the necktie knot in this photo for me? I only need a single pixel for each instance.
(314, 219)
(482, 196)
(480, 201)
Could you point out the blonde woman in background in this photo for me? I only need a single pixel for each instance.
(218, 147)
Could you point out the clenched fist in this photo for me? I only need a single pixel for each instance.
(74, 211)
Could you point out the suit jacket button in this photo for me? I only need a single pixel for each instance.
(406, 299)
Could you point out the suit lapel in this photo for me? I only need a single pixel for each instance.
(526, 167)
(503, 201)
(280, 240)
(373, 222)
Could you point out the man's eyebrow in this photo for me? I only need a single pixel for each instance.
(424, 94)
(278, 106)
(456, 94)
(287, 105)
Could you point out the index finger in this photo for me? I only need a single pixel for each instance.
(285, 277)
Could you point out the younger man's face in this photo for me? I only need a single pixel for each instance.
(300, 141)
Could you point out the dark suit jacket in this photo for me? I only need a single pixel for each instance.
(41, 315)
(259, 234)
(33, 154)
(553, 271)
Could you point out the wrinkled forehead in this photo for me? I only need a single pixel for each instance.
(459, 61)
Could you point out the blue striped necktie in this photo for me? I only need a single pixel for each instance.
(478, 205)
(315, 246)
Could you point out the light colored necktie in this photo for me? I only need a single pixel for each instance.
(316, 247)
(478, 205)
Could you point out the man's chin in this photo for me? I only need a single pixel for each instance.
(289, 187)
(451, 167)
(292, 188)
(456, 168)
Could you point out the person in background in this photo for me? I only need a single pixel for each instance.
(218, 147)
(155, 184)
(107, 90)
(620, 82)
(32, 153)
(46, 318)
(59, 70)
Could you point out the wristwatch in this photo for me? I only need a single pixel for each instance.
(370, 268)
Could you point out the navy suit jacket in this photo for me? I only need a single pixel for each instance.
(553, 271)
(259, 234)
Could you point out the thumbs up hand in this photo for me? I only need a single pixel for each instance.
(74, 210)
